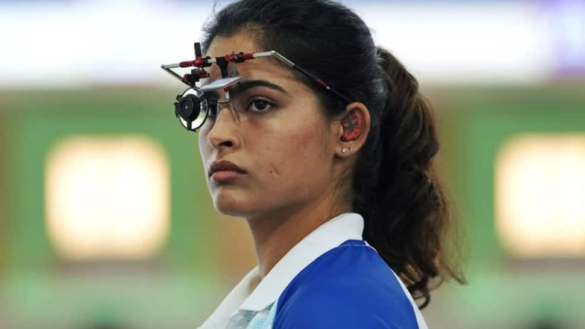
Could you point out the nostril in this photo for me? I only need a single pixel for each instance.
(227, 143)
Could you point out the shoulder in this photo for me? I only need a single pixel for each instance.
(349, 286)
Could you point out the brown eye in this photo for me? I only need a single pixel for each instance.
(260, 105)
(212, 105)
(212, 110)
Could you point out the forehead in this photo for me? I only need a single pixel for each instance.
(264, 68)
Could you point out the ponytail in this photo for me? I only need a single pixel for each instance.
(406, 212)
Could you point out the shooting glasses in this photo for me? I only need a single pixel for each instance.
(193, 107)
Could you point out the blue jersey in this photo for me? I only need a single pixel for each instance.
(331, 279)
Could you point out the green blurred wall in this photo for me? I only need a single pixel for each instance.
(184, 283)
(475, 124)
(41, 287)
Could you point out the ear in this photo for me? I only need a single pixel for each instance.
(351, 129)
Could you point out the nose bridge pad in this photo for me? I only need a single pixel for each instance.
(227, 104)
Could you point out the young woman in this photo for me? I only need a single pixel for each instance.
(329, 161)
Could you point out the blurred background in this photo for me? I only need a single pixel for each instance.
(105, 218)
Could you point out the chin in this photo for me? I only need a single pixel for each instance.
(230, 203)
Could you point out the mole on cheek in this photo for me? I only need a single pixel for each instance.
(273, 171)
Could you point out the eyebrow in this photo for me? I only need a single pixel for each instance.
(245, 85)
(249, 84)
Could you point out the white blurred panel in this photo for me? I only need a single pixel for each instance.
(459, 42)
(540, 195)
(55, 45)
(107, 197)
(80, 43)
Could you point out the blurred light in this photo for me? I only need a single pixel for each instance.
(85, 42)
(540, 195)
(107, 197)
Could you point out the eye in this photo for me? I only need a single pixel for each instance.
(260, 105)
(212, 105)
(212, 108)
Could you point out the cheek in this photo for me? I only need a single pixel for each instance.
(202, 146)
(205, 148)
(293, 155)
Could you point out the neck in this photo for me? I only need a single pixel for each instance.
(276, 234)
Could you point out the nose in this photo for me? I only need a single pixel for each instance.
(223, 134)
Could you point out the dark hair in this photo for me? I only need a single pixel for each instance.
(393, 185)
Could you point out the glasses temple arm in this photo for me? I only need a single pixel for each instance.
(303, 72)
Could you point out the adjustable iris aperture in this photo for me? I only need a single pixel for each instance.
(192, 108)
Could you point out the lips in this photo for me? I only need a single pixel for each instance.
(224, 165)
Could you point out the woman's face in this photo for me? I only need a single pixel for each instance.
(283, 143)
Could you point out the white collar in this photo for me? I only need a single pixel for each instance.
(254, 294)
